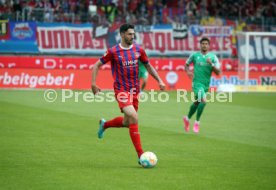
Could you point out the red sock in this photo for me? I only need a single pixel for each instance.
(116, 122)
(135, 137)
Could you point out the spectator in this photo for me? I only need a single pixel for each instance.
(141, 11)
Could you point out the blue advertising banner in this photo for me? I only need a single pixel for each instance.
(84, 39)
(22, 38)
(20, 47)
(23, 31)
(211, 31)
(262, 49)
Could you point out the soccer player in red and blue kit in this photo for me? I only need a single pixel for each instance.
(125, 69)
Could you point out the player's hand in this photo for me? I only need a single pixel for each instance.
(190, 74)
(162, 86)
(95, 89)
(209, 60)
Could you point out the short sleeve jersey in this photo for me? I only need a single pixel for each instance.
(202, 69)
(124, 66)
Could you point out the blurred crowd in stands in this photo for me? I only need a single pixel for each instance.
(108, 12)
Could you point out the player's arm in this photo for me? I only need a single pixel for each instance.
(216, 70)
(155, 75)
(95, 89)
(104, 59)
(187, 68)
(215, 65)
(144, 59)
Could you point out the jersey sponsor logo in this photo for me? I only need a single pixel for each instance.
(201, 63)
(131, 63)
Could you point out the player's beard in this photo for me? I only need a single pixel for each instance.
(204, 49)
(128, 41)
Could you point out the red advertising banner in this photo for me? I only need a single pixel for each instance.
(77, 79)
(37, 78)
(81, 79)
(82, 63)
(48, 62)
(55, 62)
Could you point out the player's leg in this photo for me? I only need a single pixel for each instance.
(132, 118)
(201, 106)
(144, 83)
(192, 110)
(144, 77)
(186, 119)
(200, 109)
(101, 128)
(116, 122)
(123, 99)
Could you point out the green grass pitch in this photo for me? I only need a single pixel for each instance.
(54, 146)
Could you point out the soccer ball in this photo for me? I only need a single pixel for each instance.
(148, 160)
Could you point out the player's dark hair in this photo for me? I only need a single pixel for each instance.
(125, 27)
(204, 39)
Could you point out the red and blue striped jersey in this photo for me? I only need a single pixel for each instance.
(124, 66)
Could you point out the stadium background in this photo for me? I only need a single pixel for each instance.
(45, 40)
